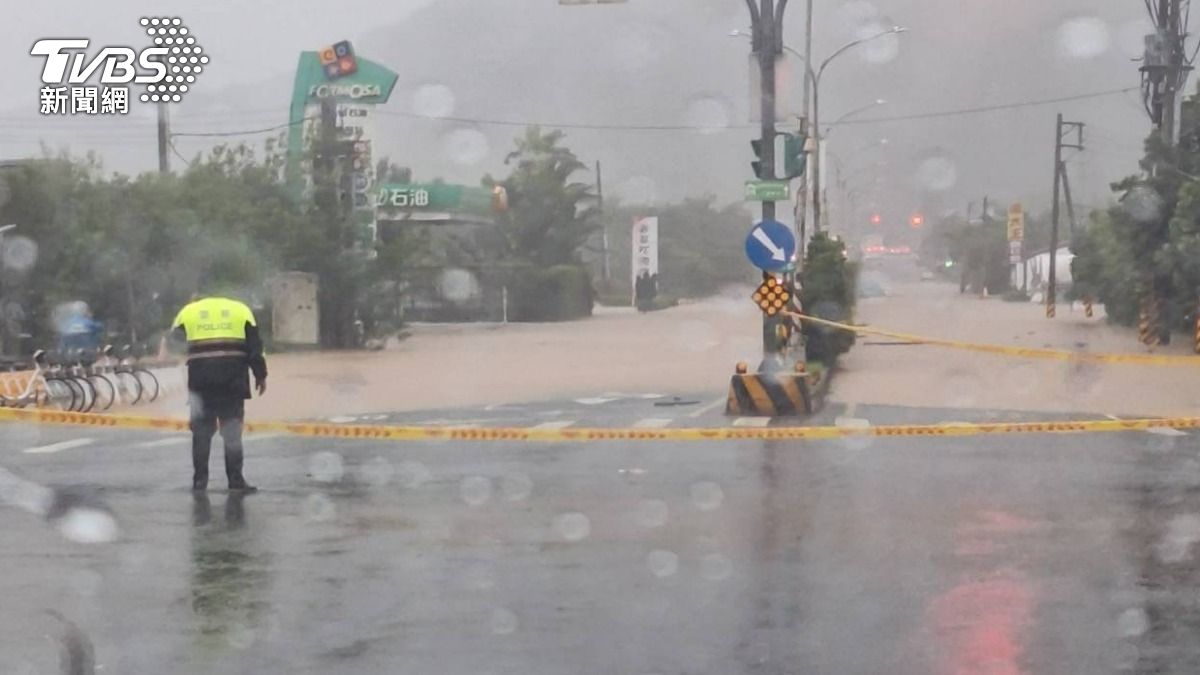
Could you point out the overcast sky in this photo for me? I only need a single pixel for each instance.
(649, 62)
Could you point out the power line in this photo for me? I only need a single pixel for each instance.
(991, 108)
(247, 132)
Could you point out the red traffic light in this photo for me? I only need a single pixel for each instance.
(917, 220)
(876, 219)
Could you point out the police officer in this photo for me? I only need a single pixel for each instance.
(222, 344)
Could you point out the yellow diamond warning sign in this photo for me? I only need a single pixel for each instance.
(771, 297)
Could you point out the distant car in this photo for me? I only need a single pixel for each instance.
(927, 276)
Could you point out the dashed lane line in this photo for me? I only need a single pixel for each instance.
(59, 447)
(555, 424)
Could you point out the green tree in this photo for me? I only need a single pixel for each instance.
(828, 291)
(550, 216)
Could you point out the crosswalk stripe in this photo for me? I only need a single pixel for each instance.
(652, 423)
(752, 421)
(59, 447)
(163, 442)
(556, 424)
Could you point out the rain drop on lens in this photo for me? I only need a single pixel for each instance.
(1084, 37)
(516, 486)
(326, 467)
(707, 496)
(937, 174)
(476, 490)
(662, 563)
(503, 621)
(572, 526)
(433, 100)
(86, 525)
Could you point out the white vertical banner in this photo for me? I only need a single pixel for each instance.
(645, 248)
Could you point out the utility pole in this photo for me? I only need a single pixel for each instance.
(1061, 128)
(1164, 70)
(1066, 186)
(805, 184)
(605, 270)
(164, 134)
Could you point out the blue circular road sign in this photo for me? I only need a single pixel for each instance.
(770, 245)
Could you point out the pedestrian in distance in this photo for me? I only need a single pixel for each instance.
(223, 348)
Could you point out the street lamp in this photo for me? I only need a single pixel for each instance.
(814, 78)
(857, 111)
(816, 87)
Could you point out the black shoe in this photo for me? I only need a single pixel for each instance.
(199, 485)
(242, 486)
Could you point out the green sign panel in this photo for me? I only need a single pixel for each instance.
(767, 191)
(433, 197)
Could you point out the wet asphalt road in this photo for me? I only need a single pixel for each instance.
(1029, 554)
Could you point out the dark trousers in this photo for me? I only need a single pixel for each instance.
(208, 413)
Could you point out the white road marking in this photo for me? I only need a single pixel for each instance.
(594, 401)
(59, 447)
(1165, 431)
(556, 424)
(163, 442)
(343, 419)
(710, 406)
(652, 423)
(262, 437)
(1113, 417)
(752, 421)
(852, 422)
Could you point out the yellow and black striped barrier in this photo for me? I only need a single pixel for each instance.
(768, 395)
(577, 435)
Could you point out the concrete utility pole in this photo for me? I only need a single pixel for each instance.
(164, 134)
(1165, 71)
(1061, 128)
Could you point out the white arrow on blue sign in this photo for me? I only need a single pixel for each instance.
(770, 245)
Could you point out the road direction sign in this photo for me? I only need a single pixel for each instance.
(767, 191)
(770, 245)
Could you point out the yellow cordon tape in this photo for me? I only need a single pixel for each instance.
(401, 433)
(1029, 352)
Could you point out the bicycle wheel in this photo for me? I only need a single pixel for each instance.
(128, 387)
(106, 393)
(89, 393)
(149, 384)
(62, 394)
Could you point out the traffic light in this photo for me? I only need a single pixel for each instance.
(795, 159)
(917, 220)
(876, 219)
(757, 164)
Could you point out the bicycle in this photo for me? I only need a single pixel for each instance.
(129, 389)
(105, 391)
(145, 378)
(85, 398)
(42, 390)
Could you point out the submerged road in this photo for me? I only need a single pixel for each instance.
(1020, 554)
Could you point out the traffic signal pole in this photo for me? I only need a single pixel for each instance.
(767, 22)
